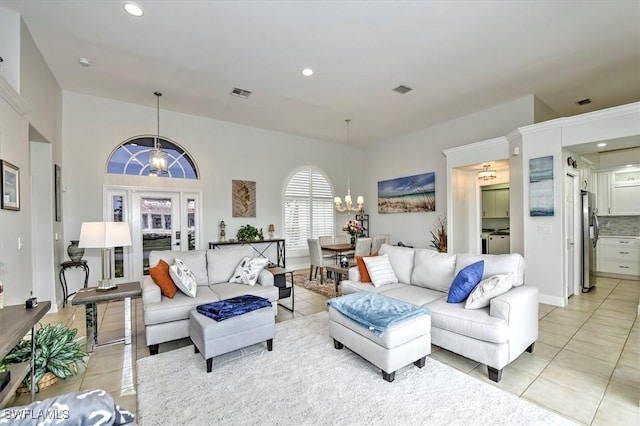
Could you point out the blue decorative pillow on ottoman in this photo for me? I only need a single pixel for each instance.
(464, 283)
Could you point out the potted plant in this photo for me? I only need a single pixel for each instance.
(439, 239)
(247, 233)
(58, 353)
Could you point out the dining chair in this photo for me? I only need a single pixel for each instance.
(326, 240)
(378, 240)
(341, 239)
(363, 246)
(315, 259)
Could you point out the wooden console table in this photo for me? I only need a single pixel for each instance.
(279, 242)
(15, 322)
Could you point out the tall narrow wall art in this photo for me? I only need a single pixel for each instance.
(541, 186)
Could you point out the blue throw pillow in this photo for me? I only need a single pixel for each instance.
(464, 283)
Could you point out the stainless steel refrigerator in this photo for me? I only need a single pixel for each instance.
(589, 233)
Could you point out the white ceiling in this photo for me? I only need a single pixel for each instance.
(458, 56)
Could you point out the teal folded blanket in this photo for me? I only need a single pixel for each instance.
(375, 312)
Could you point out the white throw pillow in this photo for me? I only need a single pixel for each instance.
(488, 289)
(380, 270)
(248, 270)
(183, 278)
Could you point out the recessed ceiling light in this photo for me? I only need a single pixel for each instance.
(307, 72)
(601, 144)
(133, 9)
(84, 62)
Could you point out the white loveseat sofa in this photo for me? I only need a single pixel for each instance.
(495, 335)
(167, 319)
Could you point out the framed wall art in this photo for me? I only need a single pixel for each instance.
(57, 187)
(243, 198)
(415, 193)
(541, 186)
(10, 186)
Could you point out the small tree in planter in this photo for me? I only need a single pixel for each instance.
(58, 353)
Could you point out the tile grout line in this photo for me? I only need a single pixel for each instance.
(563, 348)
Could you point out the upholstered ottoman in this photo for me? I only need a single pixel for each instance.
(403, 342)
(212, 338)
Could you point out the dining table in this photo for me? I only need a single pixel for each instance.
(338, 249)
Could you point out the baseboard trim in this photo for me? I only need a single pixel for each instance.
(551, 300)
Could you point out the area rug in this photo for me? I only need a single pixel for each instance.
(327, 288)
(305, 381)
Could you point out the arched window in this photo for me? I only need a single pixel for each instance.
(132, 158)
(308, 208)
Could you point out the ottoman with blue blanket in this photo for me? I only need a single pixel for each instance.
(227, 325)
(387, 332)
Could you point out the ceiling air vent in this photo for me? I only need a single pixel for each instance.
(241, 93)
(585, 101)
(402, 89)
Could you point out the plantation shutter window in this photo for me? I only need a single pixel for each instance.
(308, 209)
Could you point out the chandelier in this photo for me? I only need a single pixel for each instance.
(347, 198)
(158, 159)
(486, 174)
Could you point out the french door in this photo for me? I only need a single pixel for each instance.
(159, 220)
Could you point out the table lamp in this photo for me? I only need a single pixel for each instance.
(105, 236)
(271, 230)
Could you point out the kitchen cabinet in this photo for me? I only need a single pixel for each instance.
(618, 256)
(625, 192)
(495, 203)
(603, 193)
(618, 193)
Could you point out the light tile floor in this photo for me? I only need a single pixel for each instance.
(585, 365)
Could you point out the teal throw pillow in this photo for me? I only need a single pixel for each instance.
(464, 283)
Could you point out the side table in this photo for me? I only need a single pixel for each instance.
(280, 281)
(82, 264)
(90, 297)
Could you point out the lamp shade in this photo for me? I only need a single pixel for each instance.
(104, 234)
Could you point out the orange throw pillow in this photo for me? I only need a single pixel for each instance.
(364, 273)
(160, 275)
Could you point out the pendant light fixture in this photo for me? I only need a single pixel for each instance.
(158, 159)
(486, 174)
(347, 198)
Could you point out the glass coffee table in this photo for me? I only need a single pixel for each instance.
(90, 297)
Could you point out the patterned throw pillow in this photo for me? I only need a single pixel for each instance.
(464, 283)
(160, 276)
(248, 270)
(380, 270)
(488, 289)
(183, 277)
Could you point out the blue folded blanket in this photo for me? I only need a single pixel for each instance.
(374, 311)
(229, 308)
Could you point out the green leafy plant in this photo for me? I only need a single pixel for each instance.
(247, 233)
(58, 351)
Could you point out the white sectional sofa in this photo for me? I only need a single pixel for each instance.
(495, 335)
(167, 319)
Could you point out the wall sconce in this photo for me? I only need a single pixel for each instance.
(571, 162)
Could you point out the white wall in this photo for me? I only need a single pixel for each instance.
(37, 106)
(10, 47)
(422, 152)
(224, 151)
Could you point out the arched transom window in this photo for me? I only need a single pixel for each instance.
(132, 158)
(308, 208)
